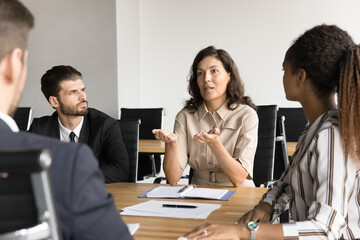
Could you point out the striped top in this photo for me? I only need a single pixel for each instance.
(320, 186)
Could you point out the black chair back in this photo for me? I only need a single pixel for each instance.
(151, 118)
(26, 196)
(22, 117)
(130, 134)
(295, 122)
(264, 156)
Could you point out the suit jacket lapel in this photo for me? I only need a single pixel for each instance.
(55, 128)
(85, 130)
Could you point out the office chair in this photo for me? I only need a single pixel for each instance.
(130, 134)
(27, 208)
(22, 117)
(151, 118)
(295, 122)
(189, 176)
(264, 157)
(281, 156)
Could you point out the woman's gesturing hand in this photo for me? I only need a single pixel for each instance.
(207, 137)
(165, 135)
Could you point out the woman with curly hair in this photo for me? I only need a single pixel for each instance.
(216, 132)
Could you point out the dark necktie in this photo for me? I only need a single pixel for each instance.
(72, 137)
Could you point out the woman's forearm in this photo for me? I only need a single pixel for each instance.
(232, 168)
(171, 165)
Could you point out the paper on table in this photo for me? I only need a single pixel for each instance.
(155, 209)
(133, 227)
(173, 192)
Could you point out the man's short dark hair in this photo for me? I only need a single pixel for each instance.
(50, 81)
(15, 23)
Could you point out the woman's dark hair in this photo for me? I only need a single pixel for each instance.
(235, 88)
(331, 61)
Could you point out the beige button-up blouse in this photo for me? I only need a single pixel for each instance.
(238, 134)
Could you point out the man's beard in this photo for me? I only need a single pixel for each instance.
(73, 111)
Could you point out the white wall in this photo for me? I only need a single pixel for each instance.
(81, 33)
(137, 53)
(128, 35)
(255, 33)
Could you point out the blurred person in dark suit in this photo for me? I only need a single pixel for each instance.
(85, 210)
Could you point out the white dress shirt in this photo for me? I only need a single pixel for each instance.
(65, 133)
(9, 121)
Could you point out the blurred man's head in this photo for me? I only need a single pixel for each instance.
(15, 23)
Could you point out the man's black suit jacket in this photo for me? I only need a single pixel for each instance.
(103, 135)
(85, 210)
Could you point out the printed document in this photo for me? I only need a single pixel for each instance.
(156, 208)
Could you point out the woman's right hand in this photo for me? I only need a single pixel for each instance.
(165, 135)
(261, 213)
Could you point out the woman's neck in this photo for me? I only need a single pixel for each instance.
(213, 106)
(315, 107)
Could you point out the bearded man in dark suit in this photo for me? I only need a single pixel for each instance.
(64, 89)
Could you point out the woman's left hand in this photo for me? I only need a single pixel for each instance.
(215, 231)
(207, 137)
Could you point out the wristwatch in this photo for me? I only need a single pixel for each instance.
(253, 227)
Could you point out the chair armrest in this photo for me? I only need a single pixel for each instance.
(158, 180)
(268, 184)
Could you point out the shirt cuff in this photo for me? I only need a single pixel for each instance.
(290, 231)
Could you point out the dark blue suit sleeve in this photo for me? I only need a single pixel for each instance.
(94, 213)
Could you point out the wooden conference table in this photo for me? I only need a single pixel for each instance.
(125, 194)
(151, 146)
(157, 146)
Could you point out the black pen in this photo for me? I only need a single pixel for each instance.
(178, 206)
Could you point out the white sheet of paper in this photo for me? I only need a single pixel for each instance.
(133, 227)
(154, 208)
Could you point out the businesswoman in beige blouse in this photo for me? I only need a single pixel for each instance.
(216, 132)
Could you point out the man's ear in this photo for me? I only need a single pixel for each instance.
(300, 77)
(11, 65)
(53, 101)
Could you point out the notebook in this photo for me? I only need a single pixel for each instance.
(189, 191)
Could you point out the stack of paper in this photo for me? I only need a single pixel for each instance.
(173, 192)
(155, 209)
